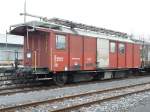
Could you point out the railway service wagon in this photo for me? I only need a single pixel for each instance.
(62, 49)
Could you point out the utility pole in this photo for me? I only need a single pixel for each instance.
(6, 39)
(25, 11)
(143, 50)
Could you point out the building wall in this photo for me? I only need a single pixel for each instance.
(8, 54)
(8, 51)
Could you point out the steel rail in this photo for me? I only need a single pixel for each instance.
(35, 87)
(24, 90)
(36, 103)
(74, 107)
(27, 88)
(79, 83)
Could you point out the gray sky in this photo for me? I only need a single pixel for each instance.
(131, 16)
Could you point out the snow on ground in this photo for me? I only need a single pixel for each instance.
(20, 98)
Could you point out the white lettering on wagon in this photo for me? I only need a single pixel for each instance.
(75, 58)
(57, 59)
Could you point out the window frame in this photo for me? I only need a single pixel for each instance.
(119, 48)
(57, 43)
(113, 46)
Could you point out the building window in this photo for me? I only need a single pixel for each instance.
(121, 48)
(60, 42)
(112, 47)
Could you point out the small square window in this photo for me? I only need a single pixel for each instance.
(60, 42)
(121, 48)
(112, 47)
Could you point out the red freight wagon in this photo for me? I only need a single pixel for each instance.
(61, 49)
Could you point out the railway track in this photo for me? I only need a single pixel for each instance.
(22, 89)
(76, 102)
(39, 86)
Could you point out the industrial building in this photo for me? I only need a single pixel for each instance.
(11, 47)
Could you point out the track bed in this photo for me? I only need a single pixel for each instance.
(23, 98)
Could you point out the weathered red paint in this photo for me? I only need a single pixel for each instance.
(37, 48)
(129, 55)
(89, 53)
(59, 56)
(113, 57)
(75, 52)
(136, 56)
(121, 57)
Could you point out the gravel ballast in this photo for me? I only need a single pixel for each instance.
(21, 98)
(85, 99)
(133, 103)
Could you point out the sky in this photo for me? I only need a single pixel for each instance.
(11, 39)
(129, 16)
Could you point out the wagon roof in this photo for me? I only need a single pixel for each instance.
(69, 27)
(20, 29)
(73, 25)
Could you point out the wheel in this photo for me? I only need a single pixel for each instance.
(98, 76)
(60, 79)
(70, 78)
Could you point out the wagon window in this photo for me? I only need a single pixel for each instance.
(112, 47)
(121, 48)
(60, 42)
